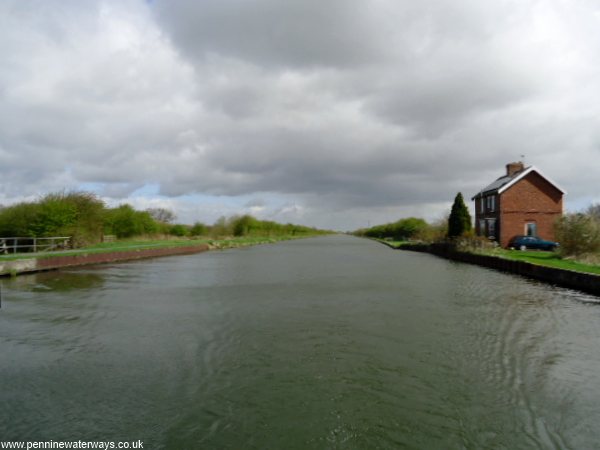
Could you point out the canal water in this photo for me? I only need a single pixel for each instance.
(325, 343)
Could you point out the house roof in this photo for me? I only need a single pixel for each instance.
(505, 182)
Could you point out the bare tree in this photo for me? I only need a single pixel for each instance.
(594, 211)
(163, 215)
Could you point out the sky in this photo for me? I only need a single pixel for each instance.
(338, 114)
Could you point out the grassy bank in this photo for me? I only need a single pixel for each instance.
(540, 258)
(547, 259)
(125, 250)
(137, 244)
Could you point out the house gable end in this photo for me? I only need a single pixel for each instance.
(524, 174)
(532, 193)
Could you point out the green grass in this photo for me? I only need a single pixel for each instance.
(129, 244)
(107, 247)
(549, 259)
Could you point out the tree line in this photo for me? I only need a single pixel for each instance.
(86, 219)
(401, 230)
(457, 224)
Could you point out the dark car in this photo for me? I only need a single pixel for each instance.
(532, 242)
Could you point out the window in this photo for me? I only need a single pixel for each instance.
(531, 229)
(482, 205)
(491, 203)
(482, 226)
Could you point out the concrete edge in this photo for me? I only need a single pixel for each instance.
(30, 265)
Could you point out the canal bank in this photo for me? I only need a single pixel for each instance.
(53, 262)
(585, 282)
(123, 252)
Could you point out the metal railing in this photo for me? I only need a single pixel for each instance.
(10, 245)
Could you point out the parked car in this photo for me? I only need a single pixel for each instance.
(532, 242)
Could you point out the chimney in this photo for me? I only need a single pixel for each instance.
(514, 167)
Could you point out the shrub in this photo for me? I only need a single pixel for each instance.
(245, 225)
(436, 231)
(403, 229)
(76, 214)
(199, 229)
(221, 228)
(53, 216)
(88, 226)
(409, 228)
(15, 220)
(179, 230)
(471, 243)
(124, 221)
(578, 234)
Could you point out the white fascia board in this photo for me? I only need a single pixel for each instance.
(524, 174)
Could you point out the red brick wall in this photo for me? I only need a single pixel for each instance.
(532, 199)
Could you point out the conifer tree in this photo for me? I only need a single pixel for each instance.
(459, 221)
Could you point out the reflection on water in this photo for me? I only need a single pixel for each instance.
(333, 342)
(58, 281)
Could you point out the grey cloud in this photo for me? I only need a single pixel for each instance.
(431, 103)
(423, 65)
(309, 163)
(120, 190)
(272, 33)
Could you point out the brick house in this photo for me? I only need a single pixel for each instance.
(522, 202)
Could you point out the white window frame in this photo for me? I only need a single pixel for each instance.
(491, 203)
(527, 224)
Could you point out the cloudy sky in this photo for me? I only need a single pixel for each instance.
(333, 113)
